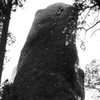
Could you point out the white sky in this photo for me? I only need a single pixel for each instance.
(20, 25)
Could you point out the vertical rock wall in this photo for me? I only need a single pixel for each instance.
(46, 68)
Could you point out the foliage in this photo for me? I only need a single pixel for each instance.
(11, 39)
(4, 9)
(87, 9)
(4, 4)
(89, 23)
(92, 75)
(92, 80)
(5, 90)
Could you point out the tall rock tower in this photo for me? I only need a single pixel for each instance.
(46, 68)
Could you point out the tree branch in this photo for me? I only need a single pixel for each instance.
(95, 31)
(93, 25)
(92, 87)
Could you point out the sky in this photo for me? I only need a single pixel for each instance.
(20, 24)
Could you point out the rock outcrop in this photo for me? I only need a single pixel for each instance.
(46, 68)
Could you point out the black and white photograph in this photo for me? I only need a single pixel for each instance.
(49, 49)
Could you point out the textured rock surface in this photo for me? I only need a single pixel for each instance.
(46, 68)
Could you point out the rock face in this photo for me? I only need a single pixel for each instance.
(46, 68)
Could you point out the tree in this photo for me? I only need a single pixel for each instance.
(92, 74)
(92, 78)
(5, 90)
(88, 9)
(6, 6)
